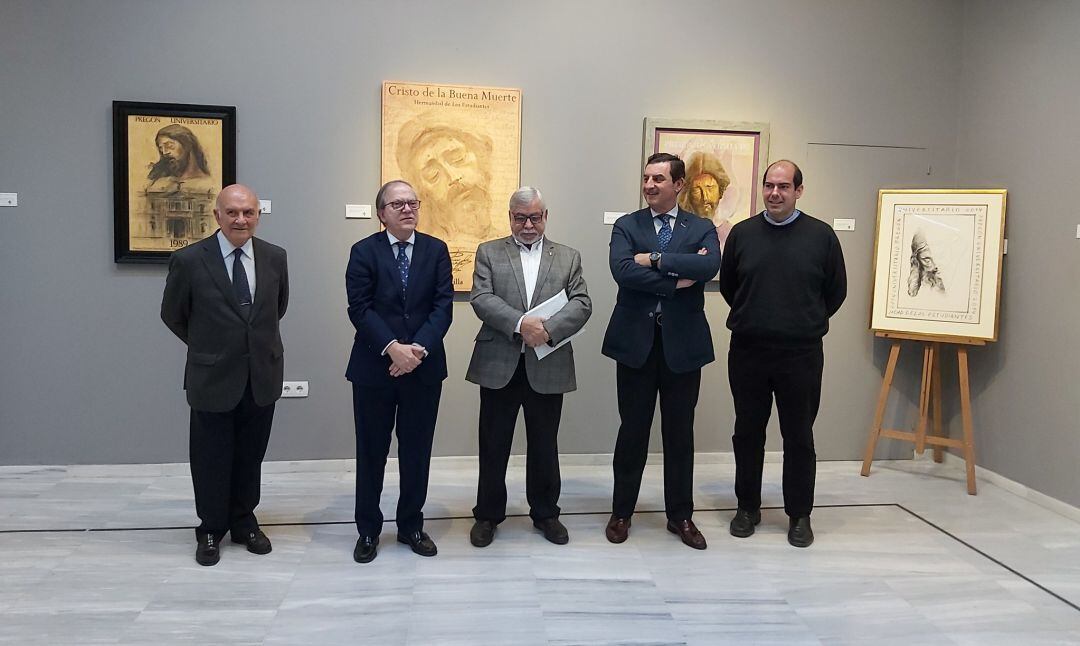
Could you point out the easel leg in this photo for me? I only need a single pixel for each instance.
(879, 412)
(936, 401)
(924, 397)
(965, 414)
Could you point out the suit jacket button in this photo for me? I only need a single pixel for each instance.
(651, 314)
(406, 317)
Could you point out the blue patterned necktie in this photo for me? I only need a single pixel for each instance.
(403, 266)
(240, 283)
(664, 234)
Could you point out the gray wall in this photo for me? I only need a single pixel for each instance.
(1019, 130)
(91, 375)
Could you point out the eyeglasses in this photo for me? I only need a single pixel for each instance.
(399, 205)
(535, 218)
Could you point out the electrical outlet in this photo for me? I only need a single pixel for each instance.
(294, 389)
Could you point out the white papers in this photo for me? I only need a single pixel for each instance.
(546, 310)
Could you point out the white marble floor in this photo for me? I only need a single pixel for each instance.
(104, 555)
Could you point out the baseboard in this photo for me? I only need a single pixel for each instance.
(982, 474)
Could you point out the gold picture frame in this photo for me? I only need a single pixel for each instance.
(938, 258)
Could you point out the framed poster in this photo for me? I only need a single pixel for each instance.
(460, 148)
(724, 162)
(937, 263)
(170, 160)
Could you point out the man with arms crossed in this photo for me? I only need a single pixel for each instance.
(512, 275)
(223, 298)
(783, 275)
(400, 293)
(660, 257)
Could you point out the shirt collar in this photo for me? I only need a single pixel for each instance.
(789, 220)
(524, 247)
(674, 212)
(394, 241)
(227, 247)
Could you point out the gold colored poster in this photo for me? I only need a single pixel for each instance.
(174, 176)
(460, 148)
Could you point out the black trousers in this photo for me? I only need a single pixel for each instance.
(794, 375)
(637, 391)
(226, 452)
(411, 407)
(498, 417)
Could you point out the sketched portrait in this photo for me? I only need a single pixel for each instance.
(937, 262)
(924, 272)
(936, 266)
(460, 148)
(173, 160)
(451, 171)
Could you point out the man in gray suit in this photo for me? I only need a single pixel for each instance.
(223, 298)
(511, 276)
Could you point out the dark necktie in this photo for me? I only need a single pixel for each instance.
(403, 266)
(240, 283)
(664, 234)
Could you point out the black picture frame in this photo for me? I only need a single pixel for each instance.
(163, 205)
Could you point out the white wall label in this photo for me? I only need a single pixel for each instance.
(611, 216)
(264, 206)
(354, 211)
(843, 224)
(12, 199)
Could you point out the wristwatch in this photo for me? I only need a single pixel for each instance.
(654, 258)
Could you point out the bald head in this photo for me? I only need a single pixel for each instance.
(237, 213)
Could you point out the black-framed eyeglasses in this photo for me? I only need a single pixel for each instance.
(399, 205)
(535, 218)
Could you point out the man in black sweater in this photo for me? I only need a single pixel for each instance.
(783, 275)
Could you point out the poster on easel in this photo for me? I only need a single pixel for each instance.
(938, 261)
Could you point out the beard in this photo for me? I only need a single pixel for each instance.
(167, 167)
(465, 211)
(707, 210)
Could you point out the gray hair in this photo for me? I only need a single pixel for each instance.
(525, 196)
(379, 203)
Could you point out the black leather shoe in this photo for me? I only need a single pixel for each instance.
(688, 532)
(256, 541)
(799, 533)
(554, 531)
(742, 525)
(420, 543)
(482, 533)
(367, 548)
(618, 529)
(207, 552)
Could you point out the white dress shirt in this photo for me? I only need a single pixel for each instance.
(247, 259)
(530, 270)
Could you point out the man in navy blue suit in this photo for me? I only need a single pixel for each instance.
(400, 291)
(661, 257)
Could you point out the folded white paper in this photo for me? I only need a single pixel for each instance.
(546, 310)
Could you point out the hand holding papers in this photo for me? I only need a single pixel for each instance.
(546, 310)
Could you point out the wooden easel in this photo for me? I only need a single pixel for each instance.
(929, 396)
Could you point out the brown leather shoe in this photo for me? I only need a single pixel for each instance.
(618, 529)
(688, 532)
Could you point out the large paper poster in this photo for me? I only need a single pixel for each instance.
(460, 148)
